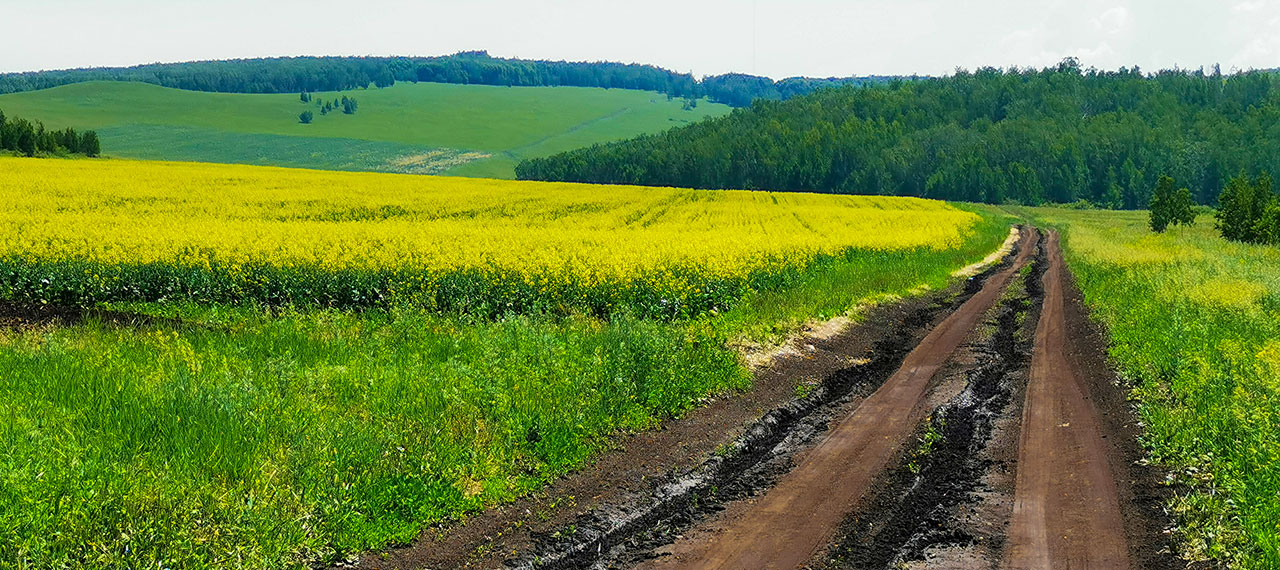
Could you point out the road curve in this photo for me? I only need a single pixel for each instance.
(1066, 510)
(799, 516)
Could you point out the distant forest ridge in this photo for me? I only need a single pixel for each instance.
(310, 74)
(1061, 134)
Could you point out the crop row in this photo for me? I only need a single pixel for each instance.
(665, 294)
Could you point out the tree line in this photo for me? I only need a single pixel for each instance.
(31, 139)
(349, 106)
(311, 74)
(1060, 134)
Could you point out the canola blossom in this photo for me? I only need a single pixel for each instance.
(91, 231)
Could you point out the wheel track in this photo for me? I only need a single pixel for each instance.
(1066, 506)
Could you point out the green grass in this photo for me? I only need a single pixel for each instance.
(292, 439)
(1194, 324)
(507, 124)
(247, 438)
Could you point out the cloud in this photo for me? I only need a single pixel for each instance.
(1113, 21)
(1250, 6)
(1263, 51)
(1101, 52)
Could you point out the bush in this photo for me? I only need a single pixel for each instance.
(306, 117)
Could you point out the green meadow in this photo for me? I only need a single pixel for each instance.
(422, 128)
(1194, 324)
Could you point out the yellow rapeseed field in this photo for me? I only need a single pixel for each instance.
(194, 214)
(415, 232)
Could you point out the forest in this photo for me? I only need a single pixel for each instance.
(29, 138)
(1061, 134)
(312, 74)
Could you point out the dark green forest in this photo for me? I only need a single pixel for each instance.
(1060, 134)
(31, 139)
(311, 74)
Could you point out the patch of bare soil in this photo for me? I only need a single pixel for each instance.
(1141, 487)
(1074, 491)
(947, 501)
(653, 484)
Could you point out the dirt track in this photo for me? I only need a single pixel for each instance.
(799, 516)
(1067, 509)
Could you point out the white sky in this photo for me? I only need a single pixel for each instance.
(784, 38)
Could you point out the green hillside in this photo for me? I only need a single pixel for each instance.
(428, 128)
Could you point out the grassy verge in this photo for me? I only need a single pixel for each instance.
(228, 436)
(1194, 325)
(841, 287)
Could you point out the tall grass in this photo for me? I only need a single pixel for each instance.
(1194, 324)
(312, 435)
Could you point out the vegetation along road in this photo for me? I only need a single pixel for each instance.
(983, 431)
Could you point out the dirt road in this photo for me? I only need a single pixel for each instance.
(1066, 507)
(798, 517)
(1032, 458)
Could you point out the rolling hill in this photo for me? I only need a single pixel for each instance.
(424, 128)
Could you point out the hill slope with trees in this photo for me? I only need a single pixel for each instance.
(1060, 134)
(309, 74)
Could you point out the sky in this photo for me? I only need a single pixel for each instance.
(777, 38)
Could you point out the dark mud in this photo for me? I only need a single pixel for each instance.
(642, 494)
(952, 508)
(936, 505)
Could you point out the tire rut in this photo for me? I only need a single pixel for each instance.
(940, 498)
(1067, 511)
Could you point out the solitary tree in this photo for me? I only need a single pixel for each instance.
(306, 117)
(1244, 209)
(1169, 206)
